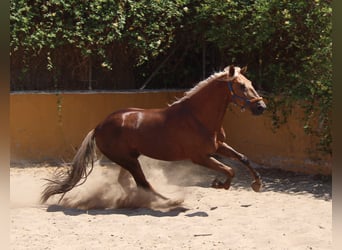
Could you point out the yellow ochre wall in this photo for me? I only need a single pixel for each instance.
(43, 132)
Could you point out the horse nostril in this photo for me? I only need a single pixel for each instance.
(260, 108)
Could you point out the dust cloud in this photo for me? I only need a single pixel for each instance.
(105, 188)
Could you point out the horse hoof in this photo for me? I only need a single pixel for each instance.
(218, 184)
(226, 185)
(256, 186)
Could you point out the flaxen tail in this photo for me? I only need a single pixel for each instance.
(65, 181)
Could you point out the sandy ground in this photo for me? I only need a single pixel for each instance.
(293, 211)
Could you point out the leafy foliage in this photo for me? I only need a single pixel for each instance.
(138, 30)
(287, 45)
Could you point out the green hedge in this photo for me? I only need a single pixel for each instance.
(51, 38)
(102, 44)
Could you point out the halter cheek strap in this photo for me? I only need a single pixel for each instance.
(246, 101)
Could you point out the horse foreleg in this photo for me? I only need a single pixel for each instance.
(229, 152)
(212, 163)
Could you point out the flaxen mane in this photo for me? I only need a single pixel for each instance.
(199, 86)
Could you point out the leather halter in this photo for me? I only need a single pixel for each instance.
(246, 101)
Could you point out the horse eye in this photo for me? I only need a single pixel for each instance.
(243, 87)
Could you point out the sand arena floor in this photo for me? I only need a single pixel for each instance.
(294, 211)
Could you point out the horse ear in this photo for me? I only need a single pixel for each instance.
(243, 70)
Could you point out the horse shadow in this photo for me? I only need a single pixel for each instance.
(277, 180)
(129, 212)
(274, 179)
(188, 174)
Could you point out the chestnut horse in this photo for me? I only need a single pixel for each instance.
(190, 128)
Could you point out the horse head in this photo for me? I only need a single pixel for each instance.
(241, 90)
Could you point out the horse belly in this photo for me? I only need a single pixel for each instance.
(172, 145)
(161, 148)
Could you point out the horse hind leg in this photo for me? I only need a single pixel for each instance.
(133, 166)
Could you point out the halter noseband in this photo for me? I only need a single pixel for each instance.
(246, 101)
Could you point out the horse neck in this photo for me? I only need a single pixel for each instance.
(209, 104)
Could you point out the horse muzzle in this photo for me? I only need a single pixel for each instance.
(258, 108)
